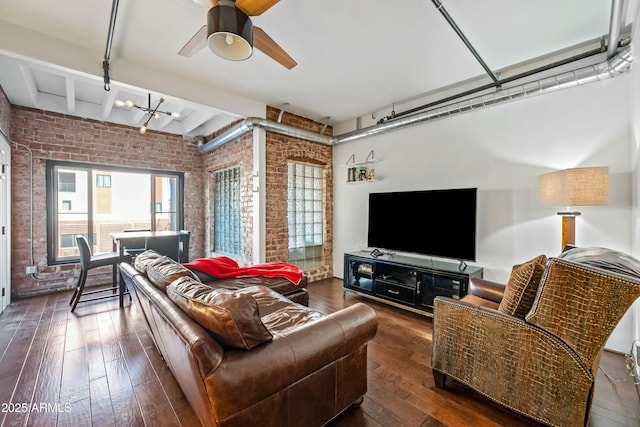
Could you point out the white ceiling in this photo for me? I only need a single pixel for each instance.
(355, 57)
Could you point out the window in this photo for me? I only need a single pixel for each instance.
(305, 214)
(67, 182)
(226, 211)
(96, 201)
(103, 181)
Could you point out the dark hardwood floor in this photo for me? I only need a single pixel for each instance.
(99, 367)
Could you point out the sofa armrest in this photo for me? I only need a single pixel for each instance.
(512, 362)
(486, 289)
(272, 367)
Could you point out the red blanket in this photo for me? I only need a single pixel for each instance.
(223, 267)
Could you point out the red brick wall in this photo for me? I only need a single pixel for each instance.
(279, 150)
(60, 137)
(235, 153)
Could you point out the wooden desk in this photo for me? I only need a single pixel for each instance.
(120, 239)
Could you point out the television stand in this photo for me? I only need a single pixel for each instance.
(406, 282)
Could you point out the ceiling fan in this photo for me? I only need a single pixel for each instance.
(229, 32)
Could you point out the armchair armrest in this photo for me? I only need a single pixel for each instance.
(514, 363)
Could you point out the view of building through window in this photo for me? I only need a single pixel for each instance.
(96, 202)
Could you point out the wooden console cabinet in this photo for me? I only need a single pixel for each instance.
(406, 282)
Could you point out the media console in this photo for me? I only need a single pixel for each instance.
(406, 282)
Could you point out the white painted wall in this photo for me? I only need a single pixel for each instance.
(631, 321)
(501, 150)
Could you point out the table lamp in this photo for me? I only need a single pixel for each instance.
(574, 187)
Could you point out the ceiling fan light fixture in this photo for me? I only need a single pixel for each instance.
(229, 32)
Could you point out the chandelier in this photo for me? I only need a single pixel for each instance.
(151, 112)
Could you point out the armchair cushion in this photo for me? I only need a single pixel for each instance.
(232, 317)
(522, 286)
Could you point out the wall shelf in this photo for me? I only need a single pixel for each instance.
(371, 158)
(359, 171)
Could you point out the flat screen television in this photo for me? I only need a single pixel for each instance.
(439, 223)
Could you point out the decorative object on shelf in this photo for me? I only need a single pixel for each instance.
(574, 187)
(359, 171)
(152, 112)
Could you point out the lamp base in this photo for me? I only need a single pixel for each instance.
(568, 228)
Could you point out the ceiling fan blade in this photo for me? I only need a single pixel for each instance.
(195, 43)
(270, 48)
(255, 7)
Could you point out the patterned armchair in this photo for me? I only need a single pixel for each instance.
(539, 360)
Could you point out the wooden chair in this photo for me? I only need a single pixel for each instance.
(89, 261)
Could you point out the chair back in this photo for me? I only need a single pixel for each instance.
(165, 245)
(581, 299)
(85, 251)
(184, 245)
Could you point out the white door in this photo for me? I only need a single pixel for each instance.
(5, 223)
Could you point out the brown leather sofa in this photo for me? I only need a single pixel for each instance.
(245, 355)
(536, 350)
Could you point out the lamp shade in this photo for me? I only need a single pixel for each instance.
(575, 187)
(229, 32)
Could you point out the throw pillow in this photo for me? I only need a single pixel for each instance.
(522, 287)
(144, 259)
(164, 270)
(232, 317)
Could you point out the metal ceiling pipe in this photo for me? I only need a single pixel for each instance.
(619, 64)
(607, 69)
(614, 27)
(107, 50)
(270, 126)
(464, 39)
(614, 38)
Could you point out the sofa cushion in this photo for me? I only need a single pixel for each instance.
(164, 270)
(144, 259)
(232, 317)
(522, 287)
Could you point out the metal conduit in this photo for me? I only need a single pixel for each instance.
(608, 69)
(614, 27)
(617, 65)
(107, 50)
(252, 122)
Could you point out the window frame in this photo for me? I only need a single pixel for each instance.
(92, 170)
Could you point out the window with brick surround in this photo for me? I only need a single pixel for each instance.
(101, 200)
(226, 212)
(305, 214)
